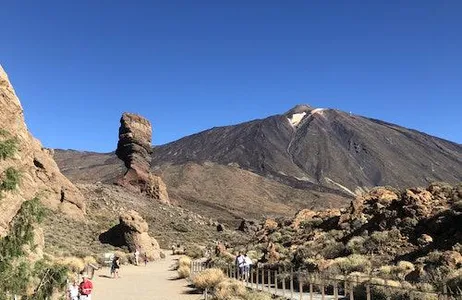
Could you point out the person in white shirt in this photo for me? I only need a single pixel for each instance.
(247, 265)
(240, 262)
(73, 291)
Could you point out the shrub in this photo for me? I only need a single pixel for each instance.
(403, 268)
(184, 261)
(258, 296)
(193, 251)
(356, 245)
(11, 178)
(74, 264)
(230, 289)
(90, 260)
(8, 148)
(457, 206)
(332, 249)
(209, 278)
(21, 277)
(184, 271)
(353, 263)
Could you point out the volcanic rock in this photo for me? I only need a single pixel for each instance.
(249, 226)
(40, 175)
(134, 149)
(132, 231)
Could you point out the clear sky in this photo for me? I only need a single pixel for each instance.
(191, 65)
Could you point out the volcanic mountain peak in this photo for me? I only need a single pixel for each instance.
(299, 112)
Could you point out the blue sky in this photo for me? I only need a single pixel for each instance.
(191, 65)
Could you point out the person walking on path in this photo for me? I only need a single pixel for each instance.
(137, 256)
(85, 288)
(240, 262)
(247, 266)
(72, 292)
(115, 267)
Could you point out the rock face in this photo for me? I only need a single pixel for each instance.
(134, 148)
(39, 174)
(132, 231)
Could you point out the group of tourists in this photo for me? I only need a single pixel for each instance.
(80, 291)
(243, 264)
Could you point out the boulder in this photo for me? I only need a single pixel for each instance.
(220, 227)
(382, 195)
(132, 232)
(249, 226)
(134, 148)
(424, 240)
(270, 224)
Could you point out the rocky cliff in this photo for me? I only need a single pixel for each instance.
(27, 170)
(134, 149)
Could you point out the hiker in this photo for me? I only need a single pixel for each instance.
(85, 288)
(247, 266)
(73, 291)
(115, 267)
(145, 259)
(240, 262)
(137, 256)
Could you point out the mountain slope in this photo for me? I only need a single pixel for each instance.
(324, 149)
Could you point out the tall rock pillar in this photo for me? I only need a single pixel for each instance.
(134, 148)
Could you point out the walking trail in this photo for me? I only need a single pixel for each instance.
(156, 281)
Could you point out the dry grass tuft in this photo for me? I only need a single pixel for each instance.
(184, 271)
(74, 264)
(184, 261)
(209, 278)
(230, 289)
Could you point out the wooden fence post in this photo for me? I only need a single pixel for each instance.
(345, 286)
(335, 290)
(269, 279)
(352, 296)
(311, 287)
(262, 279)
(284, 283)
(388, 289)
(323, 292)
(445, 291)
(300, 285)
(252, 270)
(291, 283)
(275, 281)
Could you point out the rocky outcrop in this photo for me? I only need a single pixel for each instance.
(134, 148)
(132, 232)
(39, 174)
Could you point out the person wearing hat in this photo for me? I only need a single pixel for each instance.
(85, 288)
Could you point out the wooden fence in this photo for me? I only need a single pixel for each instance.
(302, 285)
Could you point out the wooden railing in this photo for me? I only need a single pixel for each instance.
(303, 285)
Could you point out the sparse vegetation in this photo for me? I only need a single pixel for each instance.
(8, 148)
(10, 179)
(19, 274)
(209, 278)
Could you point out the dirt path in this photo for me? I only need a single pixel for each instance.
(156, 281)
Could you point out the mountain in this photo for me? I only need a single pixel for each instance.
(323, 149)
(304, 158)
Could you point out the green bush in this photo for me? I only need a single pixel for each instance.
(18, 273)
(194, 251)
(11, 178)
(8, 148)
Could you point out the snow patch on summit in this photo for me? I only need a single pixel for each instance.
(296, 118)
